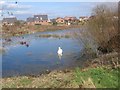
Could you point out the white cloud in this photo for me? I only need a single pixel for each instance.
(11, 5)
(24, 6)
(2, 2)
(22, 12)
(16, 6)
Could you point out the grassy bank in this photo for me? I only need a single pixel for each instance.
(91, 76)
(97, 78)
(8, 31)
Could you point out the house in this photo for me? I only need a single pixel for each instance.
(9, 21)
(70, 20)
(60, 20)
(67, 20)
(83, 18)
(38, 19)
(41, 19)
(53, 21)
(92, 17)
(30, 20)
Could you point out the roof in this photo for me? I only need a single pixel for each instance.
(70, 18)
(40, 17)
(83, 17)
(59, 18)
(53, 20)
(30, 19)
(9, 20)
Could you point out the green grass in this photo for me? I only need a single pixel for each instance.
(85, 78)
(25, 81)
(102, 78)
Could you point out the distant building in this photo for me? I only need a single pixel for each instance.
(83, 19)
(53, 21)
(30, 20)
(41, 17)
(70, 20)
(9, 21)
(38, 19)
(92, 17)
(60, 20)
(67, 20)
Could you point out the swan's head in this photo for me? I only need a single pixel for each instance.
(59, 48)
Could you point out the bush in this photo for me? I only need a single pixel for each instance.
(102, 30)
(104, 26)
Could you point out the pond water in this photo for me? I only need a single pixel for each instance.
(40, 55)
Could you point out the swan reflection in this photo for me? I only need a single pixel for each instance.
(60, 56)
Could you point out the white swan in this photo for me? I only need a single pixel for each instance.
(60, 51)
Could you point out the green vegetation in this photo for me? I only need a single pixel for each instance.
(101, 37)
(100, 77)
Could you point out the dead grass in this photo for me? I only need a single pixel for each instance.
(8, 31)
(55, 79)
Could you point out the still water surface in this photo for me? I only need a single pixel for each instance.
(40, 55)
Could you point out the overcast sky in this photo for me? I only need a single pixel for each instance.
(24, 9)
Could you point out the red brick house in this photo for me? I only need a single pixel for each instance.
(60, 20)
(70, 20)
(9, 21)
(38, 19)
